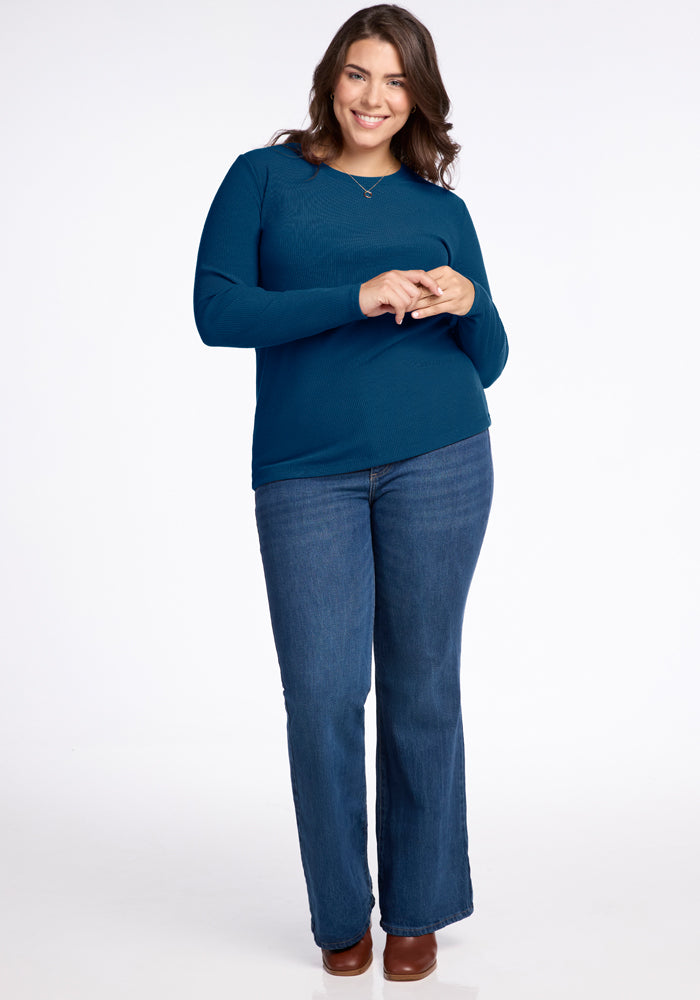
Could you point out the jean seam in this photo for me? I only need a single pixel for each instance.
(463, 798)
(297, 805)
(381, 797)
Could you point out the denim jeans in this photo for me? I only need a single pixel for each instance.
(381, 557)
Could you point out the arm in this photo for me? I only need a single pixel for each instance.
(230, 308)
(466, 294)
(480, 332)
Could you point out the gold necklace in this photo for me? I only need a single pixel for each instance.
(367, 191)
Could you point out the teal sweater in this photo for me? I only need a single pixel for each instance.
(284, 251)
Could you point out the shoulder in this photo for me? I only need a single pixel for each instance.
(280, 160)
(253, 171)
(272, 155)
(439, 197)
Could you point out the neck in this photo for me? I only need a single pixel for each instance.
(366, 164)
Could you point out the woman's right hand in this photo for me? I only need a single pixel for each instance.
(395, 292)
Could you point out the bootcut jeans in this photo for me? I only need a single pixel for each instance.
(383, 558)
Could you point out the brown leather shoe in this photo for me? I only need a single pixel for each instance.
(349, 961)
(409, 958)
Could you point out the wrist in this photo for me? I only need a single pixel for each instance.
(470, 296)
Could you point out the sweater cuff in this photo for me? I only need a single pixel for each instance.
(354, 300)
(478, 304)
(335, 307)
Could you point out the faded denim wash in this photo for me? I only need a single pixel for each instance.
(385, 557)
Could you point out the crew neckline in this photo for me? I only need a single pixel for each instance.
(366, 177)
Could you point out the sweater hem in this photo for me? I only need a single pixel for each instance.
(298, 470)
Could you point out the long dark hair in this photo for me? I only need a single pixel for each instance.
(423, 143)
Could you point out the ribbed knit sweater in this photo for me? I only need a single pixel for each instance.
(285, 248)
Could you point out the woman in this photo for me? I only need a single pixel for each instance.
(342, 256)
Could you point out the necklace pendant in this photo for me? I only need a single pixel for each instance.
(368, 194)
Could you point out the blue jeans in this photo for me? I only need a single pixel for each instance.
(383, 556)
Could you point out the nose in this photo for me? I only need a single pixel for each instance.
(371, 96)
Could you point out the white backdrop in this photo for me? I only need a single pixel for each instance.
(140, 691)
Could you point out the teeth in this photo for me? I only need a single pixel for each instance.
(370, 118)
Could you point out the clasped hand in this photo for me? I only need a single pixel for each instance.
(420, 293)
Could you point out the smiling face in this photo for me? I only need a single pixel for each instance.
(371, 99)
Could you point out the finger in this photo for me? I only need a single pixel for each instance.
(412, 292)
(442, 303)
(440, 274)
(399, 298)
(404, 299)
(424, 278)
(427, 299)
(430, 310)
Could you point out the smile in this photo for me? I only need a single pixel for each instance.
(369, 121)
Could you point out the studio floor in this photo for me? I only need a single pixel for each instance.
(164, 872)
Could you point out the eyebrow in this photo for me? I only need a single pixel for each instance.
(387, 76)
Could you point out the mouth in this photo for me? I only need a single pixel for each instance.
(369, 121)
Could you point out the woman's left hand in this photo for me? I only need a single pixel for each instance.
(457, 295)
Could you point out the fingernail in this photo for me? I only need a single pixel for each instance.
(439, 290)
(416, 314)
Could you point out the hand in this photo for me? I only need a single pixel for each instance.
(457, 295)
(398, 292)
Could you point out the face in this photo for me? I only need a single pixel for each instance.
(371, 99)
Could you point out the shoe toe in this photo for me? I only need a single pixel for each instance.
(409, 958)
(351, 961)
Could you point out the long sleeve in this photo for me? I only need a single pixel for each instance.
(480, 333)
(230, 308)
(284, 250)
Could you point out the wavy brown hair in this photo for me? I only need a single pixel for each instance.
(423, 143)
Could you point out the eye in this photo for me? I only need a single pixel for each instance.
(397, 83)
(355, 76)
